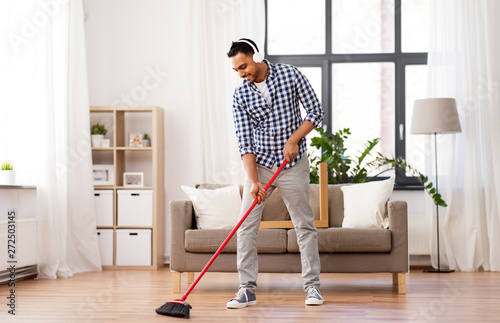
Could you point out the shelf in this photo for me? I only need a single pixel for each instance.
(123, 108)
(17, 187)
(134, 188)
(121, 122)
(124, 148)
(153, 267)
(102, 149)
(124, 227)
(135, 148)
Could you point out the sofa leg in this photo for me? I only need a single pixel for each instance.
(399, 280)
(190, 278)
(176, 282)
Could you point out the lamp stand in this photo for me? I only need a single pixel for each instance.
(438, 270)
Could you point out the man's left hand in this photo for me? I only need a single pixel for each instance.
(290, 151)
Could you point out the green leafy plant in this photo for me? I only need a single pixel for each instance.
(145, 136)
(346, 169)
(98, 129)
(7, 166)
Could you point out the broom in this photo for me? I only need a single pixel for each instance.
(179, 307)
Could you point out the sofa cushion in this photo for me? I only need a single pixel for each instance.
(372, 213)
(207, 240)
(347, 240)
(215, 208)
(275, 209)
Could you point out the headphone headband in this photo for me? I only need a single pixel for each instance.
(257, 56)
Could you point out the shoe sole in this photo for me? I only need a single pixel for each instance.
(241, 305)
(314, 301)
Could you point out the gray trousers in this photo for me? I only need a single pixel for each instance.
(293, 185)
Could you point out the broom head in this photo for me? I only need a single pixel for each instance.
(176, 308)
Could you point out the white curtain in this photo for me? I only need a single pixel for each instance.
(47, 105)
(211, 27)
(464, 64)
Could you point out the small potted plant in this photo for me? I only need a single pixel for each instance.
(7, 174)
(98, 131)
(146, 140)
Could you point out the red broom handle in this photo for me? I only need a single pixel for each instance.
(216, 254)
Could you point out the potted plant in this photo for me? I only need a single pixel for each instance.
(98, 131)
(346, 169)
(146, 140)
(7, 174)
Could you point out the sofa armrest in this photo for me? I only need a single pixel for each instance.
(398, 224)
(181, 219)
(398, 216)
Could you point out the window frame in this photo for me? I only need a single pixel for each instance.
(325, 61)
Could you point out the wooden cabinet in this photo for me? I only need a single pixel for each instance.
(121, 122)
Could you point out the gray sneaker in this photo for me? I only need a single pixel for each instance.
(314, 296)
(243, 298)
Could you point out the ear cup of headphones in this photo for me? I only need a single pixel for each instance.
(258, 57)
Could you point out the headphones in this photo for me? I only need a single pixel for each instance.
(257, 56)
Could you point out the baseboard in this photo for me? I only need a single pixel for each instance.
(420, 262)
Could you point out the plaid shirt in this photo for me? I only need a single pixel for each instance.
(263, 129)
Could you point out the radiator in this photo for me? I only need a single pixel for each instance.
(419, 235)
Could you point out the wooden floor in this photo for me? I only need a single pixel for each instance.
(132, 296)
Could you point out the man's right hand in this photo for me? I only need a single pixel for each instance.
(258, 190)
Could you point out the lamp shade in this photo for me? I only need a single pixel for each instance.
(437, 115)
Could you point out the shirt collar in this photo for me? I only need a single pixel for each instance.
(271, 73)
(271, 69)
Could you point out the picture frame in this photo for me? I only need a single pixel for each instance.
(134, 139)
(133, 179)
(103, 175)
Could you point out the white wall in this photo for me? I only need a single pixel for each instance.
(126, 40)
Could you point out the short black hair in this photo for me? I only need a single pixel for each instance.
(241, 47)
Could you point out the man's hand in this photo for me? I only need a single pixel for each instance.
(258, 190)
(290, 150)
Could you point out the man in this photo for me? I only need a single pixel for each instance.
(269, 129)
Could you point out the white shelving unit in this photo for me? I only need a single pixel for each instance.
(138, 229)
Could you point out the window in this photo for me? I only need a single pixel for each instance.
(366, 60)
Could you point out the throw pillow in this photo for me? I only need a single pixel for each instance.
(215, 208)
(365, 204)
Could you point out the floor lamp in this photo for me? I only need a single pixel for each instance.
(433, 116)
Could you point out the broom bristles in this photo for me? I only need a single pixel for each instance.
(175, 308)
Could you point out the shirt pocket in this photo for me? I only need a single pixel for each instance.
(258, 110)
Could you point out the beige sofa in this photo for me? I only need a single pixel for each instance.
(342, 250)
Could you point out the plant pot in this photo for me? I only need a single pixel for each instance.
(7, 177)
(145, 143)
(97, 141)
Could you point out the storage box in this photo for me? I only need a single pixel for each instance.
(135, 208)
(133, 247)
(104, 207)
(105, 239)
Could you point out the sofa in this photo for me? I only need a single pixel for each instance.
(342, 250)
